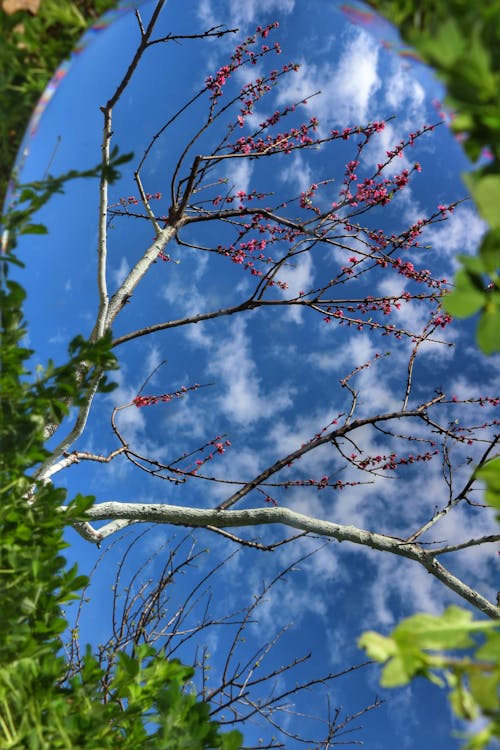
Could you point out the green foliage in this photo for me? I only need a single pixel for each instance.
(31, 50)
(426, 646)
(461, 41)
(489, 473)
(143, 701)
(146, 702)
(475, 291)
(32, 196)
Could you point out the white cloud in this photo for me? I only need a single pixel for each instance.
(412, 315)
(460, 233)
(211, 13)
(348, 88)
(297, 173)
(119, 274)
(153, 361)
(243, 400)
(357, 350)
(356, 81)
(404, 95)
(238, 174)
(299, 276)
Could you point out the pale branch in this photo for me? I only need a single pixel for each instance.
(76, 456)
(87, 531)
(103, 319)
(75, 432)
(138, 272)
(102, 249)
(252, 517)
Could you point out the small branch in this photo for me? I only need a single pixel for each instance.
(145, 35)
(248, 305)
(311, 445)
(465, 545)
(249, 543)
(145, 203)
(438, 515)
(216, 31)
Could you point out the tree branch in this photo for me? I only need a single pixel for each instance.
(252, 517)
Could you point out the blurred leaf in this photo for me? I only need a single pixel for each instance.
(489, 251)
(488, 329)
(463, 704)
(485, 190)
(33, 229)
(489, 473)
(13, 6)
(466, 298)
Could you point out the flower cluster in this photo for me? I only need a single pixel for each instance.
(140, 401)
(282, 142)
(306, 197)
(240, 195)
(133, 201)
(248, 253)
(390, 462)
(367, 130)
(220, 446)
(398, 150)
(253, 91)
(242, 54)
(371, 191)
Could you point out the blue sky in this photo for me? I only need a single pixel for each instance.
(275, 371)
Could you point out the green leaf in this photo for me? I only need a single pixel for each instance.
(466, 299)
(475, 265)
(489, 252)
(489, 473)
(444, 48)
(484, 690)
(435, 633)
(485, 190)
(399, 671)
(490, 650)
(463, 704)
(232, 740)
(33, 229)
(377, 646)
(488, 329)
